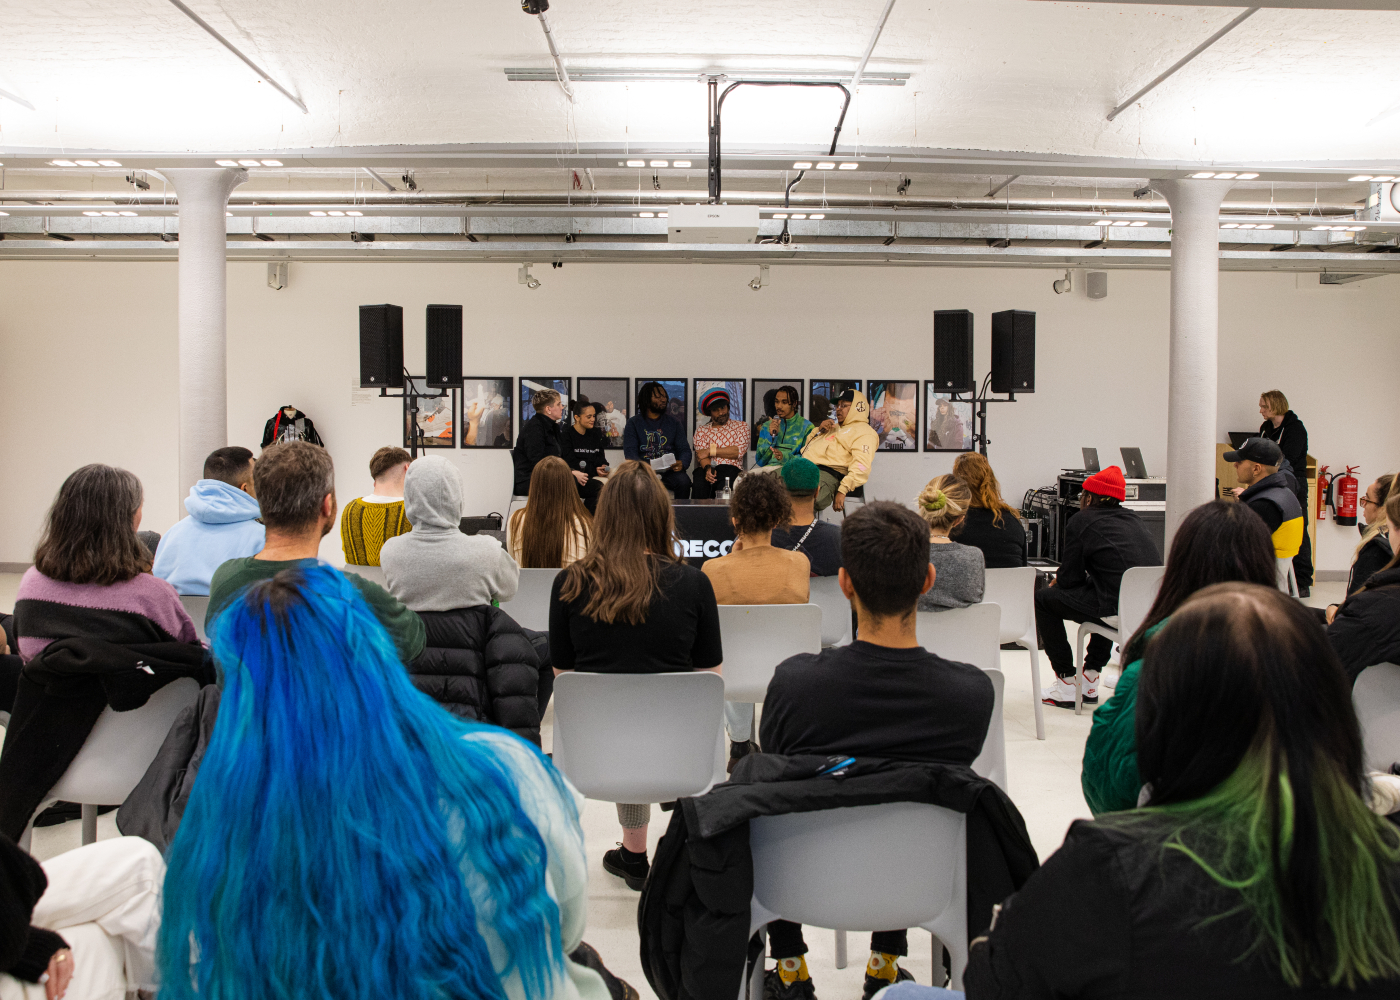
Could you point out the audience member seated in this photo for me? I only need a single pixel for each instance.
(1255, 868)
(539, 438)
(553, 529)
(632, 606)
(721, 446)
(91, 575)
(1375, 548)
(368, 522)
(756, 572)
(223, 524)
(478, 663)
(1102, 542)
(10, 663)
(584, 450)
(819, 541)
(474, 876)
(83, 925)
(295, 483)
(990, 524)
(961, 575)
(882, 696)
(1219, 542)
(843, 450)
(1269, 493)
(1365, 630)
(782, 436)
(652, 432)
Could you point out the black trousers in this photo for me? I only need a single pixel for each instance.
(706, 490)
(588, 493)
(1052, 610)
(1302, 562)
(785, 941)
(678, 483)
(10, 667)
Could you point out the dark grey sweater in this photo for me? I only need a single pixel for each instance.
(960, 575)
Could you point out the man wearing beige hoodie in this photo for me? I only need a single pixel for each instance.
(842, 449)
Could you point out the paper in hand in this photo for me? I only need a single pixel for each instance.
(664, 462)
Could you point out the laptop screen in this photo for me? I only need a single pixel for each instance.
(1133, 464)
(1238, 438)
(1091, 459)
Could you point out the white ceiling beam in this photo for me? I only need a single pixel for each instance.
(263, 74)
(1161, 78)
(875, 37)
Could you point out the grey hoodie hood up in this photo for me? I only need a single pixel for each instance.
(432, 495)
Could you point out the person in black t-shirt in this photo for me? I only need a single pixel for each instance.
(582, 446)
(632, 606)
(882, 696)
(819, 541)
(991, 524)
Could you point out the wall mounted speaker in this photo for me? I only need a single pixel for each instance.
(381, 346)
(952, 350)
(1098, 284)
(445, 346)
(1013, 351)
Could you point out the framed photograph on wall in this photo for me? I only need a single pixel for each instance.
(821, 396)
(894, 413)
(763, 403)
(487, 407)
(436, 418)
(948, 422)
(563, 386)
(734, 387)
(613, 397)
(678, 400)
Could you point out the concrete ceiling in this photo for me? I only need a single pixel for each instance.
(1014, 75)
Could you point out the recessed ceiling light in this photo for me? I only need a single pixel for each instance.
(657, 163)
(802, 165)
(1265, 225)
(228, 215)
(128, 214)
(1357, 229)
(1246, 225)
(780, 215)
(683, 164)
(92, 213)
(662, 215)
(318, 213)
(249, 163)
(110, 163)
(849, 166)
(86, 163)
(1139, 223)
(1245, 177)
(817, 216)
(4, 213)
(636, 163)
(112, 214)
(1203, 175)
(335, 212)
(1229, 225)
(1120, 222)
(826, 166)
(1225, 176)
(355, 213)
(1318, 229)
(272, 163)
(798, 216)
(1103, 222)
(227, 163)
(1382, 178)
(63, 163)
(1360, 177)
(646, 215)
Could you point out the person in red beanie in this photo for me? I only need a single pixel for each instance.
(1102, 542)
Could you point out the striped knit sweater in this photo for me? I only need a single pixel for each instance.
(140, 610)
(365, 527)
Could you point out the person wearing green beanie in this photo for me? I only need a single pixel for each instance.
(819, 541)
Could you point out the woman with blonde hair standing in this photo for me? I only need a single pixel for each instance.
(990, 524)
(552, 531)
(959, 570)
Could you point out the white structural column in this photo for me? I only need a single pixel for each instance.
(1195, 330)
(203, 193)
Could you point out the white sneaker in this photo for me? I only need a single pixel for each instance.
(1091, 687)
(1060, 693)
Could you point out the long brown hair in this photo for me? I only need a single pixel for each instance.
(974, 469)
(553, 518)
(89, 535)
(634, 535)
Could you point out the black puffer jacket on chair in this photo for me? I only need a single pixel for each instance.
(480, 665)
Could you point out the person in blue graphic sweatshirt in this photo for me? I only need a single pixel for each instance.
(652, 432)
(223, 524)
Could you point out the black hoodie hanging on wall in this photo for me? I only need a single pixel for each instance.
(290, 424)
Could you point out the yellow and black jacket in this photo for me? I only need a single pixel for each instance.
(1273, 500)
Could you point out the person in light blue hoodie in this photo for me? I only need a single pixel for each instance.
(223, 524)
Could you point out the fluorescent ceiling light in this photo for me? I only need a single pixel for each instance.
(335, 212)
(1318, 229)
(1245, 177)
(636, 163)
(798, 216)
(802, 165)
(816, 216)
(128, 214)
(355, 213)
(1120, 222)
(87, 163)
(683, 164)
(1229, 225)
(1203, 175)
(227, 163)
(534, 74)
(1139, 223)
(1246, 225)
(1103, 222)
(249, 163)
(1265, 225)
(63, 163)
(1357, 229)
(4, 213)
(826, 166)
(849, 166)
(1382, 178)
(780, 215)
(646, 215)
(318, 213)
(1360, 177)
(1230, 175)
(110, 163)
(657, 163)
(662, 215)
(228, 215)
(92, 213)
(111, 214)
(272, 163)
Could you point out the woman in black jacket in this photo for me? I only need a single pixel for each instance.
(1365, 629)
(1256, 868)
(583, 446)
(1282, 426)
(991, 524)
(539, 437)
(1375, 549)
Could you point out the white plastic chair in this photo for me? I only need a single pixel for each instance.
(826, 593)
(1136, 592)
(117, 752)
(638, 738)
(973, 635)
(374, 574)
(831, 868)
(196, 607)
(757, 637)
(530, 605)
(1376, 695)
(1013, 589)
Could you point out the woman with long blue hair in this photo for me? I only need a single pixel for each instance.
(347, 838)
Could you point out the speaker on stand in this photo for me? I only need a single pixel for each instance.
(1013, 351)
(381, 347)
(952, 351)
(444, 348)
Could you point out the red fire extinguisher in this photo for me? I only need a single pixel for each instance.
(1346, 489)
(1324, 494)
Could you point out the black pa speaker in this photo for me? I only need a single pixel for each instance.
(1013, 351)
(381, 346)
(445, 346)
(952, 350)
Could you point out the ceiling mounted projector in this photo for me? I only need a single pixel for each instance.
(712, 224)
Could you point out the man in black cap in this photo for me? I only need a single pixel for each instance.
(1267, 492)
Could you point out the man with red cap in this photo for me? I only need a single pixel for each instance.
(1102, 542)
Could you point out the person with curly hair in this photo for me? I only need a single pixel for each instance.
(756, 572)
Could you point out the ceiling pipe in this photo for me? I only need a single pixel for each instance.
(374, 174)
(563, 73)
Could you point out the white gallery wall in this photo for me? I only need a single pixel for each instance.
(88, 360)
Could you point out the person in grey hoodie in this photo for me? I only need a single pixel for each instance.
(223, 524)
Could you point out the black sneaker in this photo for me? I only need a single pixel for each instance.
(1304, 591)
(775, 989)
(873, 985)
(634, 873)
(738, 751)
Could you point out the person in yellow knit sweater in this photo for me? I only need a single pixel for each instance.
(368, 522)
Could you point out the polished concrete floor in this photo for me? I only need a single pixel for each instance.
(1044, 783)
